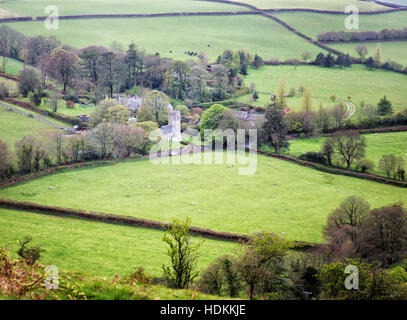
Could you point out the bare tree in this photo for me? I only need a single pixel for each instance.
(352, 212)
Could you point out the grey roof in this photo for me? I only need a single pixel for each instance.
(167, 129)
(246, 116)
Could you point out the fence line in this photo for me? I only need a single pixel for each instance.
(71, 130)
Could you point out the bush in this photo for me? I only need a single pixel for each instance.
(29, 254)
(4, 92)
(70, 104)
(365, 165)
(316, 157)
(35, 97)
(72, 97)
(259, 109)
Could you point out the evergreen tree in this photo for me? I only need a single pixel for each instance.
(274, 129)
(385, 106)
(340, 61)
(329, 61)
(320, 60)
(255, 96)
(370, 63)
(257, 62)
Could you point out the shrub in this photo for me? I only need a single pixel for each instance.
(72, 97)
(364, 165)
(140, 277)
(4, 92)
(259, 109)
(70, 104)
(316, 157)
(29, 254)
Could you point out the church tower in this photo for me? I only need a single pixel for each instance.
(174, 120)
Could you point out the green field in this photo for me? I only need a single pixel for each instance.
(14, 126)
(377, 145)
(13, 66)
(279, 197)
(93, 247)
(179, 34)
(358, 82)
(73, 7)
(78, 110)
(313, 24)
(395, 50)
(336, 5)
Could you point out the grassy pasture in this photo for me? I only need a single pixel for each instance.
(179, 34)
(73, 7)
(13, 66)
(281, 197)
(358, 82)
(377, 145)
(313, 24)
(337, 5)
(93, 247)
(14, 126)
(396, 51)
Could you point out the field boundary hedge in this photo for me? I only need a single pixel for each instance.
(152, 15)
(16, 19)
(132, 221)
(336, 170)
(394, 7)
(9, 76)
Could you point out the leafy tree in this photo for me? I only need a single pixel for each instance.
(5, 160)
(157, 104)
(306, 56)
(116, 114)
(377, 56)
(24, 152)
(350, 146)
(182, 253)
(392, 165)
(281, 94)
(333, 276)
(209, 117)
(328, 150)
(307, 100)
(274, 130)
(62, 65)
(29, 81)
(362, 51)
(384, 106)
(262, 261)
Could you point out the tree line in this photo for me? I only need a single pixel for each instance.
(103, 72)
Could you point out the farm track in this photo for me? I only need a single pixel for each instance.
(350, 110)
